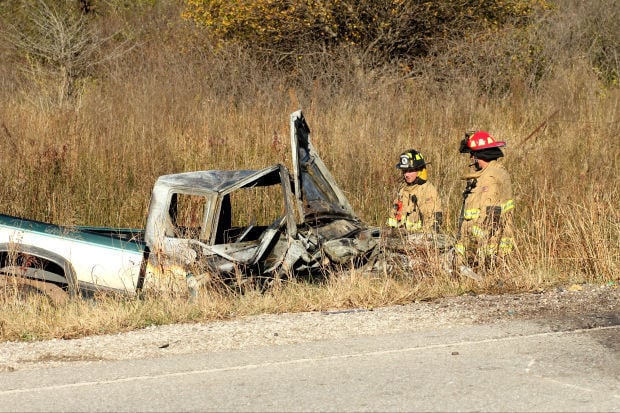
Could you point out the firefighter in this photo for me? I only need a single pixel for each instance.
(485, 228)
(417, 208)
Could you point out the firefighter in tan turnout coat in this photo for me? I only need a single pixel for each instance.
(418, 208)
(485, 230)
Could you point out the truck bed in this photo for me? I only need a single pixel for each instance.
(114, 237)
(88, 257)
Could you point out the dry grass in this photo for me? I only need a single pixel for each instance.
(169, 108)
(35, 318)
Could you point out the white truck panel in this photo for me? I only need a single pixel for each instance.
(94, 263)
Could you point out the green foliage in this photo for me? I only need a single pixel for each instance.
(389, 29)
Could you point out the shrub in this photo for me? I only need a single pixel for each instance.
(389, 30)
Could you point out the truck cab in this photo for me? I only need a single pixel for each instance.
(219, 222)
(264, 223)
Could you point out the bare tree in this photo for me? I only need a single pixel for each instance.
(60, 47)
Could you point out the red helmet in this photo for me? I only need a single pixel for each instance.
(479, 140)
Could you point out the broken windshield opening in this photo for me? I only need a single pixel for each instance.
(247, 212)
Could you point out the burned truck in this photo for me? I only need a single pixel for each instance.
(266, 224)
(203, 226)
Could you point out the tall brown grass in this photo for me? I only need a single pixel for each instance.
(175, 104)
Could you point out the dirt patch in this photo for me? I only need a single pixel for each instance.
(575, 307)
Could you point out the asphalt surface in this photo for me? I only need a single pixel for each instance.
(509, 366)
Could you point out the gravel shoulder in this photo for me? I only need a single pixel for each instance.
(577, 307)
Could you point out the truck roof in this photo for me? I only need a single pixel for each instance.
(218, 181)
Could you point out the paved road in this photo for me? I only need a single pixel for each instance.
(515, 366)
